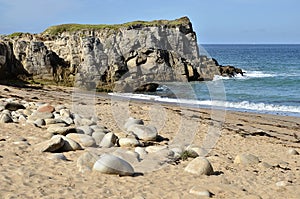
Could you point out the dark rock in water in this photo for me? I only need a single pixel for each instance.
(230, 71)
(13, 106)
(151, 87)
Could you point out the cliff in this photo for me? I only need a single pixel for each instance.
(132, 53)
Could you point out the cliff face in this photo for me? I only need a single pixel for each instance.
(133, 52)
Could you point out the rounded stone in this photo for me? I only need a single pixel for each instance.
(145, 133)
(46, 109)
(246, 159)
(109, 140)
(199, 166)
(129, 142)
(110, 164)
(130, 121)
(292, 152)
(83, 139)
(98, 136)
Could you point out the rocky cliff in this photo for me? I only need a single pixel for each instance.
(132, 53)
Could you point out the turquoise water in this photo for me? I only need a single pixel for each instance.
(271, 83)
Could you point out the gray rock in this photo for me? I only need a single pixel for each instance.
(199, 166)
(52, 145)
(129, 156)
(109, 140)
(130, 121)
(129, 142)
(83, 139)
(86, 161)
(5, 118)
(110, 164)
(68, 120)
(246, 159)
(141, 151)
(144, 132)
(86, 130)
(98, 136)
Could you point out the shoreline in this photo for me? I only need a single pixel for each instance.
(28, 174)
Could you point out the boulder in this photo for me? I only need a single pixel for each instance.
(145, 133)
(199, 166)
(110, 164)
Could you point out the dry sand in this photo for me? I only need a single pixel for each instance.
(25, 173)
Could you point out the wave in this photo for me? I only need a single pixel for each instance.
(244, 105)
(247, 75)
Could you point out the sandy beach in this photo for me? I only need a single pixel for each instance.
(27, 173)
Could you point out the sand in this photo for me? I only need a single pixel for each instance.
(26, 173)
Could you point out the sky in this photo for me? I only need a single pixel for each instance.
(215, 21)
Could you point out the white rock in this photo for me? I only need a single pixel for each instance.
(292, 152)
(199, 191)
(145, 133)
(200, 166)
(109, 140)
(98, 136)
(129, 142)
(155, 149)
(86, 130)
(110, 164)
(5, 118)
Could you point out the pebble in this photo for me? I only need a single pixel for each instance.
(246, 159)
(199, 166)
(199, 191)
(57, 156)
(110, 164)
(292, 152)
(86, 130)
(98, 136)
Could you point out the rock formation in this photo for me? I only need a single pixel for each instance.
(130, 54)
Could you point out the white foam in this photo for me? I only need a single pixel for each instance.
(244, 105)
(247, 75)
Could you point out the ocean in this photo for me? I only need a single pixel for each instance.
(271, 83)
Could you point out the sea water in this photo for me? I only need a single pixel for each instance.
(271, 83)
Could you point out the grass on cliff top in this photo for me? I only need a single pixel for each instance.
(55, 30)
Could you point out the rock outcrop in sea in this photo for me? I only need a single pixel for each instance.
(130, 54)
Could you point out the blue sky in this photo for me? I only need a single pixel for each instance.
(215, 21)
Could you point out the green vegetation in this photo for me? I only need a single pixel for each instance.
(55, 30)
(16, 34)
(188, 154)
